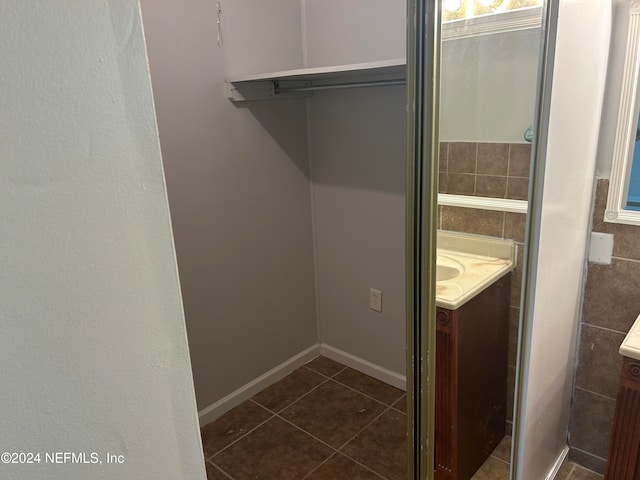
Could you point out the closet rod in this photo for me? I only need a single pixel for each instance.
(373, 83)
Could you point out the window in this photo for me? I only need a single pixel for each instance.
(623, 201)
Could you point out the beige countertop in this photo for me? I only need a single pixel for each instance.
(630, 346)
(468, 264)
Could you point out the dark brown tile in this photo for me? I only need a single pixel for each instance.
(443, 184)
(369, 386)
(599, 361)
(325, 366)
(591, 421)
(514, 324)
(611, 297)
(462, 157)
(493, 159)
(503, 450)
(213, 473)
(580, 473)
(231, 426)
(442, 160)
(492, 469)
(625, 237)
(491, 186)
(333, 413)
(401, 404)
(519, 159)
(461, 183)
(517, 188)
(591, 462)
(514, 226)
(600, 204)
(471, 220)
(338, 467)
(274, 450)
(283, 393)
(382, 446)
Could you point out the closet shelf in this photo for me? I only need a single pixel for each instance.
(301, 82)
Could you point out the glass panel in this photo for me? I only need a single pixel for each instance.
(488, 98)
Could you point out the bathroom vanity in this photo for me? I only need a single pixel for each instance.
(471, 351)
(624, 446)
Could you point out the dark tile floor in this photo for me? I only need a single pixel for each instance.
(325, 421)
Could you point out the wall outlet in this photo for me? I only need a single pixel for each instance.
(375, 300)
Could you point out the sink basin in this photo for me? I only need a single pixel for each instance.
(444, 272)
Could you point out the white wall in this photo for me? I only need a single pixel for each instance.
(238, 185)
(489, 87)
(92, 338)
(562, 222)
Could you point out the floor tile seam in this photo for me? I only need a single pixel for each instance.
(344, 367)
(398, 410)
(300, 398)
(578, 387)
(587, 453)
(368, 396)
(221, 470)
(363, 465)
(606, 329)
(244, 435)
(320, 464)
(500, 459)
(308, 433)
(573, 469)
(600, 475)
(363, 429)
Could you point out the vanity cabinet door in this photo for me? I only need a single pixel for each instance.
(471, 381)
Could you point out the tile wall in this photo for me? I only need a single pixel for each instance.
(611, 305)
(498, 170)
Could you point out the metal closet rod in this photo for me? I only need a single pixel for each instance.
(336, 86)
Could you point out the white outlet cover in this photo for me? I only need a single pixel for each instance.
(375, 300)
(601, 248)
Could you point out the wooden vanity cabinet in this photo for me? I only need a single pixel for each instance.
(471, 381)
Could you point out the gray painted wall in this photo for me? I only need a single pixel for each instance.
(358, 163)
(238, 185)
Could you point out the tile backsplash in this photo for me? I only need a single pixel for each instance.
(498, 170)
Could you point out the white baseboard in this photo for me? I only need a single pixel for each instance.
(235, 398)
(556, 466)
(364, 366)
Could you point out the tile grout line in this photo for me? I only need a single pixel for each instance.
(335, 452)
(365, 395)
(606, 329)
(244, 435)
(221, 470)
(273, 414)
(599, 395)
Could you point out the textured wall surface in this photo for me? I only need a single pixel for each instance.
(92, 338)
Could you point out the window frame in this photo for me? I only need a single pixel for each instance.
(626, 128)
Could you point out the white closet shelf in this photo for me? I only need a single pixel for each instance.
(302, 81)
